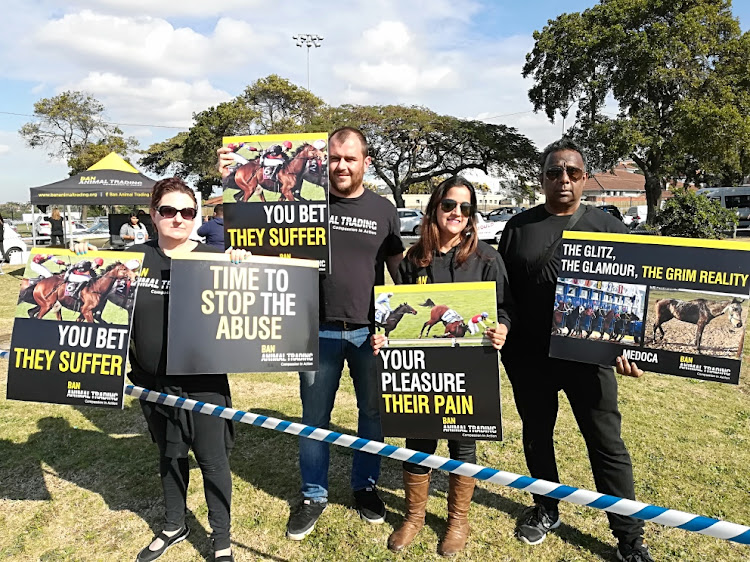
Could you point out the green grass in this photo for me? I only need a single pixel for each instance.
(82, 483)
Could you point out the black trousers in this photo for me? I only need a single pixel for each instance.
(465, 451)
(57, 240)
(592, 392)
(211, 453)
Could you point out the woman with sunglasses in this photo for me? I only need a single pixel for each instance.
(176, 431)
(448, 251)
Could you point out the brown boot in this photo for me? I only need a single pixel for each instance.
(460, 490)
(417, 490)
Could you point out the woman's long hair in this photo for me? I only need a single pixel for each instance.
(422, 252)
(56, 213)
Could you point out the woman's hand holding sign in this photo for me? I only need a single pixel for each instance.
(497, 335)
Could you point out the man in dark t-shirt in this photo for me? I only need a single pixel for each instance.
(537, 378)
(364, 237)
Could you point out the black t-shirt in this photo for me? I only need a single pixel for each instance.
(148, 339)
(485, 264)
(523, 244)
(364, 232)
(56, 226)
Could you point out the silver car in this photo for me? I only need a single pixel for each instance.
(411, 220)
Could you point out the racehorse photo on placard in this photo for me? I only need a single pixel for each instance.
(709, 324)
(61, 286)
(277, 168)
(599, 310)
(439, 314)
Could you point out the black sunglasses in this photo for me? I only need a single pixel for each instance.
(168, 212)
(447, 205)
(555, 173)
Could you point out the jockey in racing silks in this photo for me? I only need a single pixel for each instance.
(450, 316)
(274, 157)
(37, 267)
(383, 307)
(81, 273)
(477, 321)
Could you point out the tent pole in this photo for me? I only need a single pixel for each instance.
(33, 224)
(68, 227)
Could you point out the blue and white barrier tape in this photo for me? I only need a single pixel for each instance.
(669, 517)
(4, 354)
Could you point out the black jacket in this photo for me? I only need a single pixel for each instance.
(485, 264)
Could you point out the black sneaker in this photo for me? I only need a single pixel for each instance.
(634, 552)
(147, 555)
(536, 523)
(302, 522)
(370, 507)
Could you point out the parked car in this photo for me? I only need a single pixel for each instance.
(42, 226)
(98, 235)
(504, 210)
(500, 217)
(411, 220)
(489, 231)
(13, 244)
(635, 216)
(612, 210)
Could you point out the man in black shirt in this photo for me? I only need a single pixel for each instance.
(536, 378)
(364, 236)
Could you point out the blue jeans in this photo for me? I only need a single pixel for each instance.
(318, 392)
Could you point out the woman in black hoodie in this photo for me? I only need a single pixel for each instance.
(448, 251)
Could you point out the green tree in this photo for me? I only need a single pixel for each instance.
(269, 105)
(71, 125)
(412, 145)
(678, 70)
(690, 215)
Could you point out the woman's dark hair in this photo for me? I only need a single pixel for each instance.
(168, 185)
(423, 251)
(136, 216)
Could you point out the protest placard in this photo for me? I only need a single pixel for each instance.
(439, 376)
(276, 196)
(257, 316)
(72, 327)
(673, 305)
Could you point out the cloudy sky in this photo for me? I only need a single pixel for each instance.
(154, 63)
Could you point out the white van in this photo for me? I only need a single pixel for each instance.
(735, 198)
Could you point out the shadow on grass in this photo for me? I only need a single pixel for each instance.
(122, 471)
(268, 460)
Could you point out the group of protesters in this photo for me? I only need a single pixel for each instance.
(524, 269)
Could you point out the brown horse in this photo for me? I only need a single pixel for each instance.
(558, 317)
(699, 312)
(456, 329)
(607, 324)
(51, 291)
(250, 180)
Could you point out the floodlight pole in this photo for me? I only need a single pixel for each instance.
(308, 40)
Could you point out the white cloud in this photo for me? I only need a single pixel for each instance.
(166, 8)
(4, 148)
(388, 38)
(161, 101)
(398, 78)
(146, 46)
